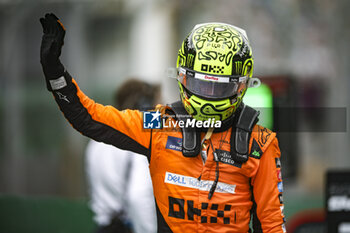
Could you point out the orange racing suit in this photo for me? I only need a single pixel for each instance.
(181, 184)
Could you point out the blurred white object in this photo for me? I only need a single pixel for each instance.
(119, 180)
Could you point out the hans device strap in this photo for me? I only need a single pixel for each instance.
(241, 130)
(190, 135)
(240, 133)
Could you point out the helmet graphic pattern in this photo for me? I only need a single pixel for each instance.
(218, 49)
(215, 49)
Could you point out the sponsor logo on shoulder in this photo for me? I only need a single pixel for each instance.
(264, 135)
(174, 143)
(256, 153)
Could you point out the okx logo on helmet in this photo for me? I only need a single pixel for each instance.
(214, 68)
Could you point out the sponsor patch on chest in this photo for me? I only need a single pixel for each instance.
(174, 143)
(225, 157)
(192, 182)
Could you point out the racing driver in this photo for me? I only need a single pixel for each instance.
(206, 177)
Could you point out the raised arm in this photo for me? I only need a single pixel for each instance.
(106, 124)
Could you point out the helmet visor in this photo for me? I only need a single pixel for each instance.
(210, 86)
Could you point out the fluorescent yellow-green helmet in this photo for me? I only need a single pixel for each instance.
(215, 64)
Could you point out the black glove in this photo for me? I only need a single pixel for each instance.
(50, 51)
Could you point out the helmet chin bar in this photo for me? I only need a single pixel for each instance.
(203, 109)
(208, 108)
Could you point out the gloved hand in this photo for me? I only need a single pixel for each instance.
(50, 51)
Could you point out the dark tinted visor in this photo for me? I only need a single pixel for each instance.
(211, 86)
